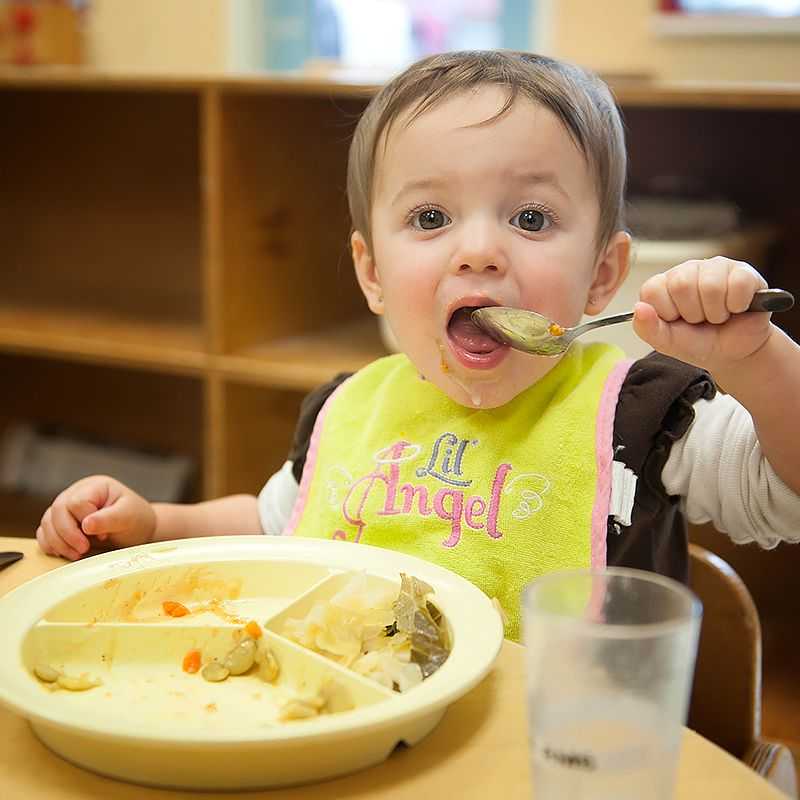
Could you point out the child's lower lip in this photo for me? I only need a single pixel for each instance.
(479, 360)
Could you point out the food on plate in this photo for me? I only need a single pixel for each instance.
(237, 661)
(55, 679)
(268, 668)
(78, 683)
(214, 671)
(174, 609)
(46, 673)
(328, 699)
(192, 661)
(241, 658)
(396, 639)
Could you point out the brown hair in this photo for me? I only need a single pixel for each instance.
(578, 98)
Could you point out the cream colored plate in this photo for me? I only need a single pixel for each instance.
(149, 722)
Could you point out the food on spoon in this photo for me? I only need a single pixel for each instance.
(396, 639)
(253, 629)
(173, 609)
(554, 329)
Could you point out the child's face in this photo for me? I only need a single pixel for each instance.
(467, 214)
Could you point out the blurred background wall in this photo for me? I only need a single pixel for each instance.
(160, 35)
(619, 36)
(614, 36)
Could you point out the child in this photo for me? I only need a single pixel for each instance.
(497, 179)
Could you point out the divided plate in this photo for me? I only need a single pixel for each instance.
(150, 722)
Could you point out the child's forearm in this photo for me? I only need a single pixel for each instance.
(224, 516)
(767, 384)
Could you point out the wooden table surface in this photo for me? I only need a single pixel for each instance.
(479, 750)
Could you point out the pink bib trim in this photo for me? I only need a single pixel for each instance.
(310, 465)
(604, 433)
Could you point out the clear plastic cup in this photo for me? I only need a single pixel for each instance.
(610, 660)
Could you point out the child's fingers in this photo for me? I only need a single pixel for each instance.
(114, 518)
(649, 326)
(683, 288)
(66, 526)
(743, 283)
(669, 338)
(712, 282)
(51, 540)
(654, 292)
(80, 506)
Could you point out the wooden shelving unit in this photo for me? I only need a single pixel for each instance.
(174, 271)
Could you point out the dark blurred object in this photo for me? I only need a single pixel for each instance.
(42, 31)
(40, 463)
(664, 217)
(9, 557)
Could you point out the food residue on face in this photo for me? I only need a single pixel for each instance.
(443, 365)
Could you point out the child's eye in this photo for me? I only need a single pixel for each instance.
(429, 219)
(531, 219)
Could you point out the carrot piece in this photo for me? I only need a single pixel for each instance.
(253, 629)
(191, 661)
(174, 609)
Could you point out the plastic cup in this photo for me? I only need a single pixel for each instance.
(610, 661)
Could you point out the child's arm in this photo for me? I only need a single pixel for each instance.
(692, 313)
(103, 507)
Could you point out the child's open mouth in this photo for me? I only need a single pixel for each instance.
(472, 346)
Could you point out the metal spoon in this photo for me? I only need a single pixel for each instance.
(533, 333)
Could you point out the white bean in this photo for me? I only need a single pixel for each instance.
(46, 673)
(241, 658)
(215, 672)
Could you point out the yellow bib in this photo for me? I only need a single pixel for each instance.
(498, 495)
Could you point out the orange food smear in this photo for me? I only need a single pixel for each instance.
(191, 661)
(253, 629)
(174, 609)
(555, 329)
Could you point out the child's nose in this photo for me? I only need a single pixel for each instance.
(480, 250)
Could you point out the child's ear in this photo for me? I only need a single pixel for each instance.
(367, 273)
(610, 271)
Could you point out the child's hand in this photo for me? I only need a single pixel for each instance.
(692, 312)
(95, 506)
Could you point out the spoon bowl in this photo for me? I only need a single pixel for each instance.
(536, 334)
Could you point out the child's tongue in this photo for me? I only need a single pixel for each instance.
(467, 335)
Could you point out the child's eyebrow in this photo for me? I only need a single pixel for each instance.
(520, 178)
(548, 178)
(420, 183)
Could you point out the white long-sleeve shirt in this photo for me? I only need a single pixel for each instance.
(717, 467)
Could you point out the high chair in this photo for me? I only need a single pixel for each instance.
(725, 704)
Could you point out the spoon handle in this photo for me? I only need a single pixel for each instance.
(763, 300)
(771, 300)
(603, 321)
